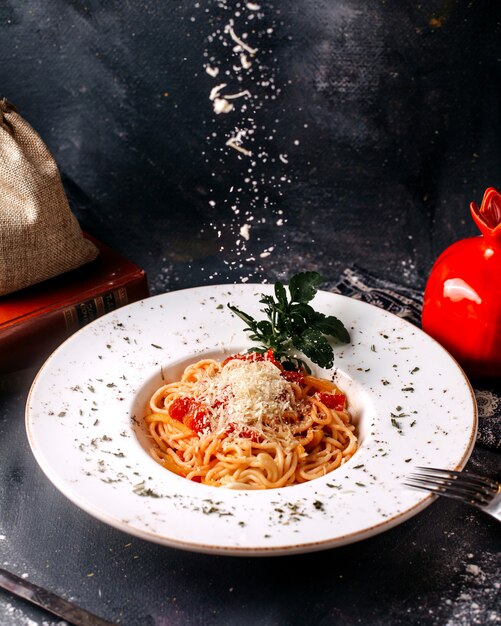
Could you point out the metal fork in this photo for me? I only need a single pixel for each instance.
(479, 491)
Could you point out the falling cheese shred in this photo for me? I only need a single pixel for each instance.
(238, 40)
(221, 105)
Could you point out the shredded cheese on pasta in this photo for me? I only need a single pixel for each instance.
(249, 394)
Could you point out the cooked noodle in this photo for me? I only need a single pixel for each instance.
(247, 423)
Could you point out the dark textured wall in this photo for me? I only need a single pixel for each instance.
(372, 126)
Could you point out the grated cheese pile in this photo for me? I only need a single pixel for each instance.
(250, 395)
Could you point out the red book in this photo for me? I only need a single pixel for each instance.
(34, 321)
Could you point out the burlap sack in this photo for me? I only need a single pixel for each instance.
(39, 235)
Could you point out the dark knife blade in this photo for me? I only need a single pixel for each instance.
(49, 601)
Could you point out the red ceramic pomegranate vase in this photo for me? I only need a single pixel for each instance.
(462, 299)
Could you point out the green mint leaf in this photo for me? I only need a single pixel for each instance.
(306, 311)
(303, 286)
(332, 326)
(280, 294)
(315, 346)
(250, 321)
(257, 350)
(295, 324)
(265, 328)
(267, 300)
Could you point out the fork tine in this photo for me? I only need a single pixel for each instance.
(469, 488)
(463, 476)
(430, 488)
(462, 483)
(451, 489)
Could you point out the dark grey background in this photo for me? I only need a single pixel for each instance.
(388, 113)
(395, 105)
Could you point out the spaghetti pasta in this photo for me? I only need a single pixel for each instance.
(248, 423)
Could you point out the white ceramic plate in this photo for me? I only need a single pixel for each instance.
(412, 403)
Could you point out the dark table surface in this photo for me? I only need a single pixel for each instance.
(372, 126)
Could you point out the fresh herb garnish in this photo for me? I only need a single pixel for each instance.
(293, 323)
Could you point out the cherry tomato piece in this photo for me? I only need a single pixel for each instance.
(246, 433)
(198, 420)
(293, 377)
(180, 408)
(336, 401)
(254, 356)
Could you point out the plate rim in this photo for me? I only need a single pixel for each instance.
(237, 550)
